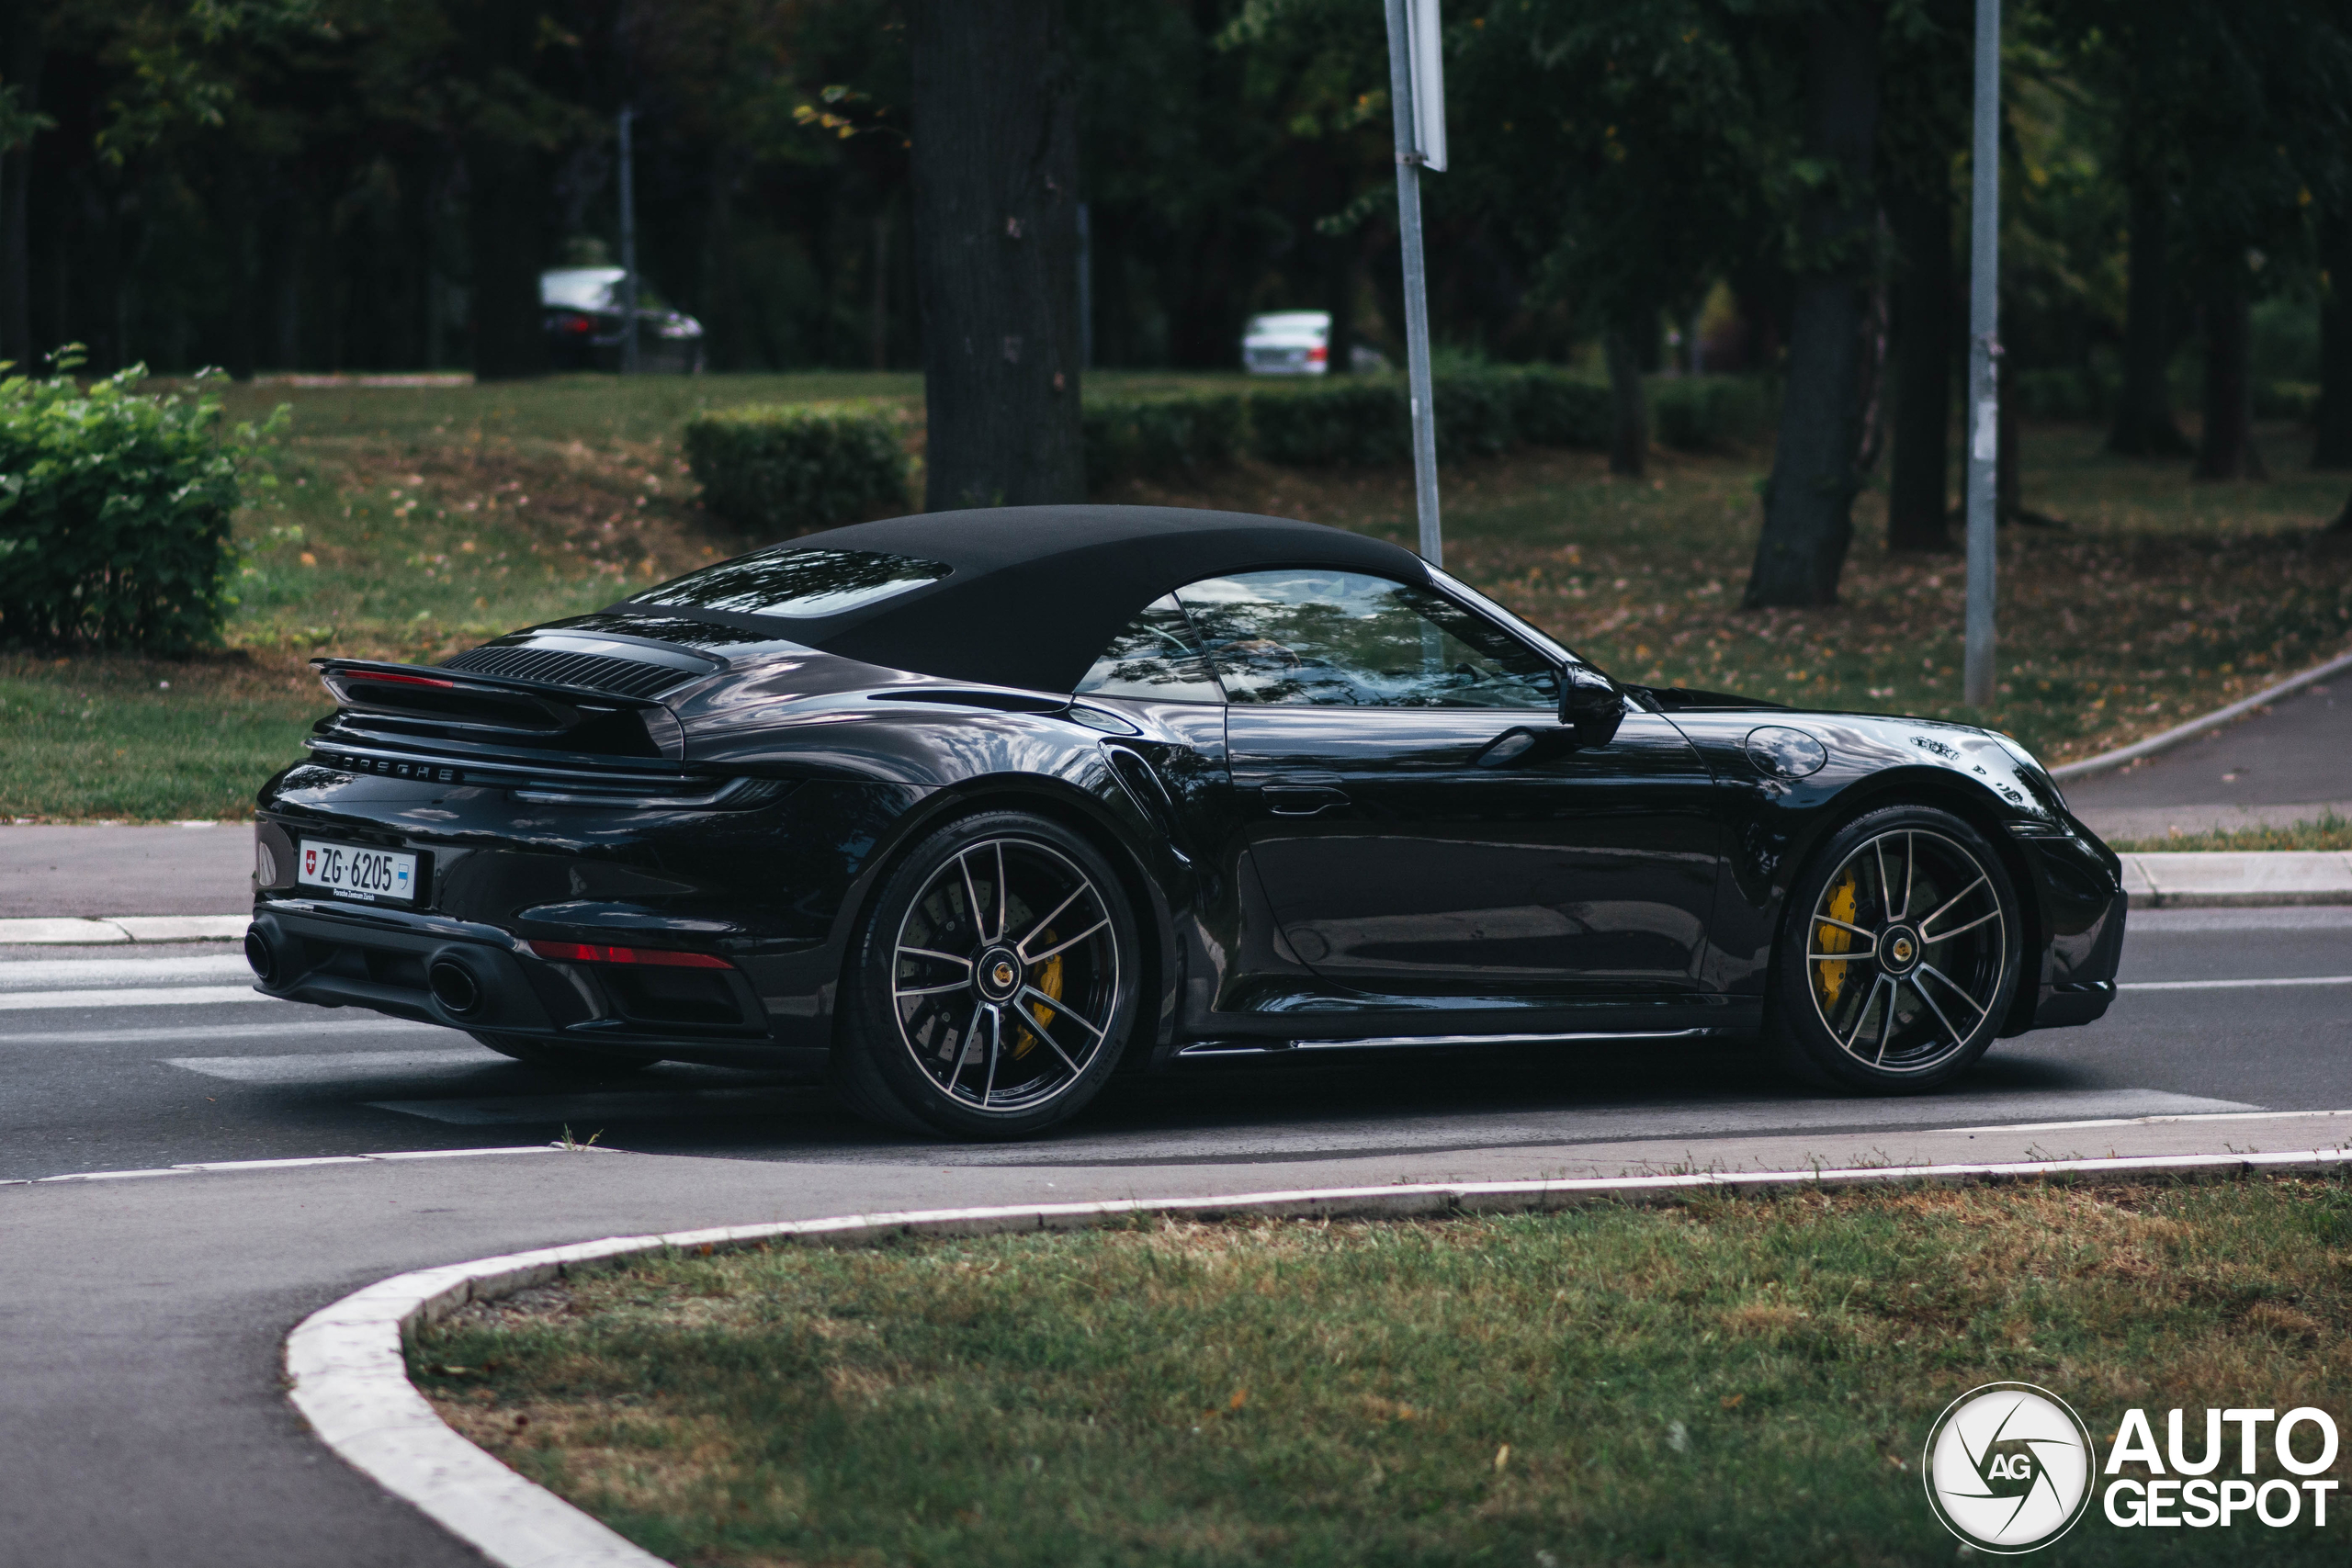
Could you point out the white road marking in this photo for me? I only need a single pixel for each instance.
(215, 1168)
(152, 996)
(1299, 1138)
(373, 1026)
(33, 973)
(338, 1066)
(2234, 984)
(2154, 1120)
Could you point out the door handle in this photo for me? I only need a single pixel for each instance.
(1303, 796)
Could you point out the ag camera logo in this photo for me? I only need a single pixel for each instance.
(2009, 1468)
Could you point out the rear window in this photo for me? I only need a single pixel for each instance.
(796, 583)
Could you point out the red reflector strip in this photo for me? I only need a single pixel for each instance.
(397, 680)
(586, 952)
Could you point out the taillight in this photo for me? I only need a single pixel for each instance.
(588, 953)
(572, 322)
(1317, 354)
(405, 680)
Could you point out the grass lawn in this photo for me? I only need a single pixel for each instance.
(414, 522)
(2330, 832)
(1723, 1381)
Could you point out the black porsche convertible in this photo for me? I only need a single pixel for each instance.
(968, 812)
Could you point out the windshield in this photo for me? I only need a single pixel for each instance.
(796, 583)
(584, 289)
(1289, 321)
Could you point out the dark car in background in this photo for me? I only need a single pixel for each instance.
(585, 330)
(970, 811)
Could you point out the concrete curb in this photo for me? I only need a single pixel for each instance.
(2196, 879)
(347, 1372)
(116, 928)
(2167, 738)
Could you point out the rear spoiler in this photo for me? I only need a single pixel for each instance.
(466, 699)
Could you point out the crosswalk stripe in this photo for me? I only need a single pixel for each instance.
(127, 996)
(371, 1026)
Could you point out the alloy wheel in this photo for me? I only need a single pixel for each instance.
(1005, 975)
(1906, 951)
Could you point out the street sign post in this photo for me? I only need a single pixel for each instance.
(1417, 91)
(1977, 660)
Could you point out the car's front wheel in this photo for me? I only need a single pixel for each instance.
(992, 985)
(1899, 953)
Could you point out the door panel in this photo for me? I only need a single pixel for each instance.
(1459, 852)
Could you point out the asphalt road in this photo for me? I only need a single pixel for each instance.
(140, 1415)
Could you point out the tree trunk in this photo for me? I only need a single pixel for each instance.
(1809, 502)
(1339, 282)
(2228, 450)
(26, 51)
(995, 165)
(2144, 423)
(508, 235)
(1629, 430)
(2332, 443)
(877, 323)
(237, 236)
(1916, 511)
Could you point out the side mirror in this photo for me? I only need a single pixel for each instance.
(1590, 704)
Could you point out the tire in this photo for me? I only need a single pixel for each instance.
(999, 947)
(592, 1060)
(1922, 903)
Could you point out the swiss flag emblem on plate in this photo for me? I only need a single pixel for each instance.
(310, 862)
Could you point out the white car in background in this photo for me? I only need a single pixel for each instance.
(1298, 342)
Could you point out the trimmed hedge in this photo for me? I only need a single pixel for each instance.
(1552, 408)
(1161, 438)
(115, 508)
(791, 468)
(1710, 413)
(1364, 422)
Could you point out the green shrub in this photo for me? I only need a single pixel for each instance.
(1364, 422)
(1709, 414)
(790, 469)
(1477, 414)
(1161, 438)
(1352, 421)
(2063, 393)
(2285, 399)
(115, 508)
(1557, 408)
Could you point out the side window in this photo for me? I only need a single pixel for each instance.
(1157, 657)
(1344, 639)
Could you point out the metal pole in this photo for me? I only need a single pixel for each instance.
(1416, 303)
(629, 248)
(1983, 358)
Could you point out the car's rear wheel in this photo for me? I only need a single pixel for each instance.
(992, 985)
(1899, 955)
(589, 1059)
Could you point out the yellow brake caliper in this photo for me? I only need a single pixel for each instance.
(1830, 979)
(1049, 980)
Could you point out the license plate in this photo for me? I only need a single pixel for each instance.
(374, 877)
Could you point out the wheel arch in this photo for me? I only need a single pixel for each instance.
(1946, 791)
(1081, 812)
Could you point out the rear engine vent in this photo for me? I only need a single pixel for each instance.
(592, 671)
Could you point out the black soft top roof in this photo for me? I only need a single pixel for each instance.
(1038, 591)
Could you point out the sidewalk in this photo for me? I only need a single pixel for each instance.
(2285, 764)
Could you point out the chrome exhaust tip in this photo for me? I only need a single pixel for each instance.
(454, 987)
